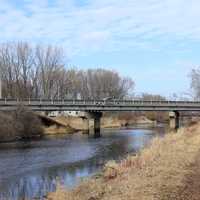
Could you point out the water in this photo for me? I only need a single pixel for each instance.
(31, 170)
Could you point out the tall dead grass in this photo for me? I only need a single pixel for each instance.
(155, 173)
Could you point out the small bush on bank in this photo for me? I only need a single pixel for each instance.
(28, 124)
(19, 124)
(7, 127)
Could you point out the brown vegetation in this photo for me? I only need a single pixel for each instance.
(107, 121)
(19, 124)
(125, 120)
(55, 130)
(7, 127)
(76, 123)
(160, 172)
(158, 116)
(161, 117)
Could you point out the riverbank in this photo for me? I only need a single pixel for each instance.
(24, 124)
(168, 169)
(55, 130)
(79, 124)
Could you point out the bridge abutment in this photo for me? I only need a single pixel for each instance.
(174, 120)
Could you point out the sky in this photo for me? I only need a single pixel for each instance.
(155, 42)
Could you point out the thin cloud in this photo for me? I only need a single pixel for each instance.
(104, 25)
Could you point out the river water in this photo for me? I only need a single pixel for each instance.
(32, 169)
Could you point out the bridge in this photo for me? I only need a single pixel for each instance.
(94, 108)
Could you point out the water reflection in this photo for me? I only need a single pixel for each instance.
(33, 169)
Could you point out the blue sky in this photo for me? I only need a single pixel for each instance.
(156, 42)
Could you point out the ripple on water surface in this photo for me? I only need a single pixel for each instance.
(33, 169)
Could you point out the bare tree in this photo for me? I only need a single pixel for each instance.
(16, 63)
(49, 60)
(152, 97)
(24, 65)
(29, 71)
(103, 83)
(195, 83)
(7, 61)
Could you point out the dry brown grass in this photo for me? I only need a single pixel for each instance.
(157, 172)
(76, 123)
(54, 130)
(106, 122)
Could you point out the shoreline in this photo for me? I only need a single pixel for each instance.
(68, 125)
(157, 172)
(63, 132)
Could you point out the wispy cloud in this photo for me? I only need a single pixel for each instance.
(93, 25)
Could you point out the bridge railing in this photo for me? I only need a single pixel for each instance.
(30, 101)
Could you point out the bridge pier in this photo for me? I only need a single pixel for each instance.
(174, 120)
(95, 117)
(97, 125)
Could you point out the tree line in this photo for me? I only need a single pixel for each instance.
(37, 71)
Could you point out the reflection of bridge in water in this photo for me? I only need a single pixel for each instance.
(94, 108)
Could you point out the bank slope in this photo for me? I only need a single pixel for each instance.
(159, 172)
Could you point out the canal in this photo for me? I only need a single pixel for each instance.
(32, 169)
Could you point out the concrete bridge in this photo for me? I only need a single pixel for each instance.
(94, 108)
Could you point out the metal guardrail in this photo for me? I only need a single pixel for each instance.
(6, 101)
(98, 105)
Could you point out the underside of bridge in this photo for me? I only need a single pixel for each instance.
(93, 119)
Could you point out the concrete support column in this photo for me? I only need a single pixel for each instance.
(174, 120)
(94, 121)
(86, 123)
(97, 126)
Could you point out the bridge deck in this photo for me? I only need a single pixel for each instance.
(99, 105)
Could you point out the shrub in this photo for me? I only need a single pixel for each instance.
(27, 123)
(7, 127)
(19, 124)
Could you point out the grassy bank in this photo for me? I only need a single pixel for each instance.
(56, 130)
(162, 171)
